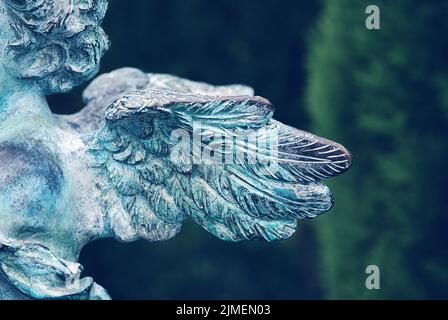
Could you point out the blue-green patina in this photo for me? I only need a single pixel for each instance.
(133, 163)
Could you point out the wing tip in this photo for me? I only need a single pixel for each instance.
(343, 159)
(348, 157)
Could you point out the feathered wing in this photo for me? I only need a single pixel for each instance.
(164, 155)
(108, 87)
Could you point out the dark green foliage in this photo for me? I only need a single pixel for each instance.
(383, 94)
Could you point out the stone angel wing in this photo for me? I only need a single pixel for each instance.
(165, 149)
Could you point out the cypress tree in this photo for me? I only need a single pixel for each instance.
(384, 95)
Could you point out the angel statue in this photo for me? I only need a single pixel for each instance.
(146, 153)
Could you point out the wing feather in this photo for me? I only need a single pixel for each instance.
(250, 197)
(147, 192)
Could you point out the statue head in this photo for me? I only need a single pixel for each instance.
(53, 44)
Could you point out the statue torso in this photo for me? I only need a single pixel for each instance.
(42, 193)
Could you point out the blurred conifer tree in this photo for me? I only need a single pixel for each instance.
(384, 94)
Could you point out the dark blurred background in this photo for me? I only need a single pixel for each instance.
(382, 93)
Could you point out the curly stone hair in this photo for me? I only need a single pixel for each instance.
(58, 44)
